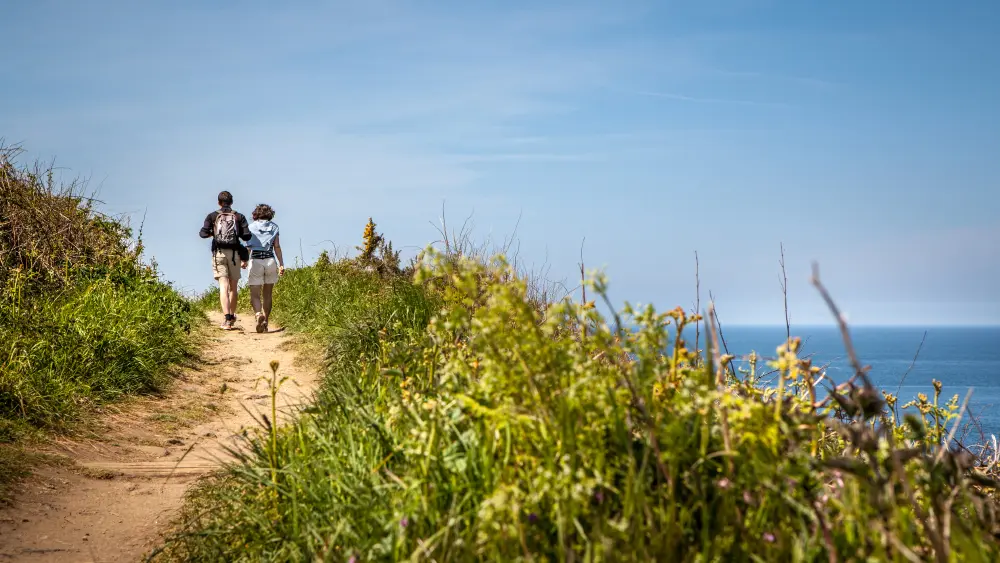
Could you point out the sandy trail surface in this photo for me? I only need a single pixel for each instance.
(111, 494)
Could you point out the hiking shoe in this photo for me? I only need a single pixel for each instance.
(261, 322)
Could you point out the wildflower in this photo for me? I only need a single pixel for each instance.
(747, 497)
(353, 559)
(723, 483)
(599, 496)
(429, 405)
(768, 537)
(404, 522)
(890, 399)
(532, 518)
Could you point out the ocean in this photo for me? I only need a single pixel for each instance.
(961, 358)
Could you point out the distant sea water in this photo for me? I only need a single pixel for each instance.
(961, 358)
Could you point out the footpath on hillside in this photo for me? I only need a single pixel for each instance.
(112, 494)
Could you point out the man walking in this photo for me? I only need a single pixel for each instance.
(227, 228)
(266, 263)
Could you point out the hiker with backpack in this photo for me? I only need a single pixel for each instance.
(227, 228)
(266, 263)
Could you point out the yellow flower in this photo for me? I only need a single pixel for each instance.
(430, 405)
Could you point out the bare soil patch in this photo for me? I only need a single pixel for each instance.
(108, 494)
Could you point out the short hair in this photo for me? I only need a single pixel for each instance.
(225, 198)
(263, 211)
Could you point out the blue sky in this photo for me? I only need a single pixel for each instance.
(860, 134)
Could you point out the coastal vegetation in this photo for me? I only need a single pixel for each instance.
(464, 418)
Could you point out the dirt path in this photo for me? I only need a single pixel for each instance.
(118, 489)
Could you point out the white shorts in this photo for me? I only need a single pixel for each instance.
(263, 271)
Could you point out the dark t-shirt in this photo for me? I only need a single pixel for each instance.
(242, 231)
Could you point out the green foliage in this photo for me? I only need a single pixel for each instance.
(82, 319)
(53, 234)
(495, 430)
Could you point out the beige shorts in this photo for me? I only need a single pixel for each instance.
(263, 271)
(224, 265)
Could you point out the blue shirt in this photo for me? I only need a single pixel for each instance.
(262, 234)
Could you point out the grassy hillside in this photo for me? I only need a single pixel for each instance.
(82, 319)
(462, 420)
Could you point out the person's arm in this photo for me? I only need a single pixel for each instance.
(206, 228)
(277, 254)
(245, 233)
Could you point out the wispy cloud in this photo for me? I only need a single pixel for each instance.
(528, 157)
(706, 100)
(773, 77)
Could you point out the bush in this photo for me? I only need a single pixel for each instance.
(496, 430)
(82, 318)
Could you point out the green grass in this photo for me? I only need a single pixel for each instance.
(460, 421)
(95, 342)
(83, 320)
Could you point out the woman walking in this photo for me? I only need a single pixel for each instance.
(266, 263)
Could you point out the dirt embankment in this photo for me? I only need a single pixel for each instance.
(112, 492)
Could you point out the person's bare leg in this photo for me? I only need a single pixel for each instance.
(224, 298)
(233, 295)
(259, 318)
(255, 298)
(268, 294)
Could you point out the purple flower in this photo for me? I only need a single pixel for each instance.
(599, 496)
(353, 559)
(722, 483)
(768, 537)
(404, 522)
(532, 518)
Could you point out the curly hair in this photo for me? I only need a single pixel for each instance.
(263, 211)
